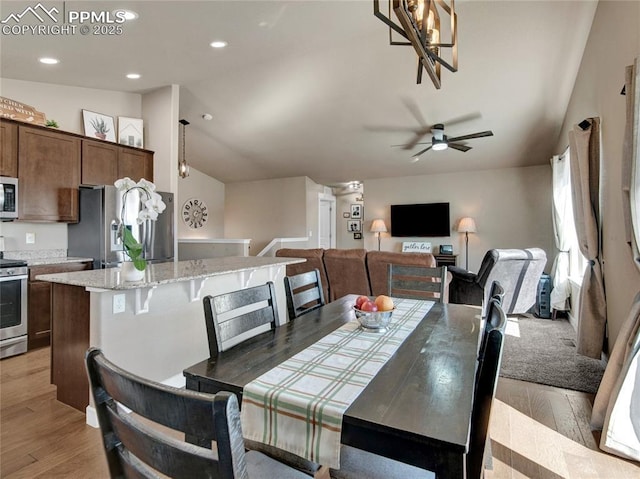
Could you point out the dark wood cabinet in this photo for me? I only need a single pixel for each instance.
(8, 149)
(99, 163)
(49, 174)
(446, 259)
(135, 164)
(39, 302)
(70, 341)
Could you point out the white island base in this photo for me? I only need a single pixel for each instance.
(154, 328)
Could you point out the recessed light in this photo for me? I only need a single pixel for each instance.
(128, 14)
(218, 44)
(49, 61)
(133, 76)
(207, 117)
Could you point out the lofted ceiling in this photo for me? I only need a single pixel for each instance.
(313, 87)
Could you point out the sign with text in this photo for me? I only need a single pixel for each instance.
(416, 247)
(21, 112)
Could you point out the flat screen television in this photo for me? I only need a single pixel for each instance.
(427, 219)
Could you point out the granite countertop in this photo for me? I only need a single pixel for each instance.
(57, 260)
(165, 273)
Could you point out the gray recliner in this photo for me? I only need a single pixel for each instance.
(517, 270)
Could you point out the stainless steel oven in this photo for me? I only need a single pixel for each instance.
(13, 307)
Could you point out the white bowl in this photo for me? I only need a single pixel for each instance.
(375, 321)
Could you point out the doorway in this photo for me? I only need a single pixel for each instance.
(326, 221)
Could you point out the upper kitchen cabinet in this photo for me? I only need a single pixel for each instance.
(8, 149)
(49, 174)
(135, 164)
(103, 163)
(99, 163)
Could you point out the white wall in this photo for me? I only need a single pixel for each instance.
(613, 44)
(263, 210)
(511, 206)
(212, 192)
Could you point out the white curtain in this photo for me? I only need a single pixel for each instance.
(563, 230)
(616, 408)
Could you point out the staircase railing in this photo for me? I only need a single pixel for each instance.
(277, 243)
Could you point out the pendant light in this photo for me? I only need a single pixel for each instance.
(183, 168)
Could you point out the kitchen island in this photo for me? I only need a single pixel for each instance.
(154, 327)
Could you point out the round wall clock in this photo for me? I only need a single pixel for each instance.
(194, 213)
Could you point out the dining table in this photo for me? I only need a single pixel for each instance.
(416, 409)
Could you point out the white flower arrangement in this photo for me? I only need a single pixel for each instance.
(153, 206)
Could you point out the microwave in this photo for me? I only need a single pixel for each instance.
(8, 198)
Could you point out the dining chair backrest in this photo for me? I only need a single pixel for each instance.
(233, 314)
(304, 293)
(418, 282)
(496, 319)
(138, 447)
(486, 384)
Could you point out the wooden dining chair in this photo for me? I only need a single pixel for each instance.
(304, 293)
(356, 463)
(418, 282)
(230, 315)
(146, 437)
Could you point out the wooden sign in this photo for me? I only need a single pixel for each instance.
(416, 247)
(19, 111)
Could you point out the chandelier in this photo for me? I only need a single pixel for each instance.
(421, 27)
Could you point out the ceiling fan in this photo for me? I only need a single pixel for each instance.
(440, 141)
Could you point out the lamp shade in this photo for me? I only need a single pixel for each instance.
(378, 226)
(467, 225)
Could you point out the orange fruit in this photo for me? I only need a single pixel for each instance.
(384, 303)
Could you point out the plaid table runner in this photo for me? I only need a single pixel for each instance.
(298, 405)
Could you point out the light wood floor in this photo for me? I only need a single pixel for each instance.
(536, 431)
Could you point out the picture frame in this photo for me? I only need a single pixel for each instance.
(346, 214)
(354, 226)
(131, 131)
(356, 211)
(99, 126)
(357, 236)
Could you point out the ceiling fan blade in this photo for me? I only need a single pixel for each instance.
(472, 135)
(393, 128)
(462, 119)
(459, 147)
(412, 106)
(422, 151)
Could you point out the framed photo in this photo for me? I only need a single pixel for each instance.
(130, 132)
(346, 214)
(356, 212)
(97, 125)
(357, 235)
(354, 226)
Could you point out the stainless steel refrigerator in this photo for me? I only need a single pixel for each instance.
(96, 234)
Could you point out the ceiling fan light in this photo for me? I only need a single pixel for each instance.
(439, 145)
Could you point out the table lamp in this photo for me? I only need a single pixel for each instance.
(378, 227)
(467, 225)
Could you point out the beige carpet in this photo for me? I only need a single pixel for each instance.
(543, 351)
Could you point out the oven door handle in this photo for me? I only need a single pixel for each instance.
(13, 278)
(1, 197)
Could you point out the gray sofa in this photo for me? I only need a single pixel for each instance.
(517, 270)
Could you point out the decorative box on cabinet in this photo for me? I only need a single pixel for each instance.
(39, 302)
(49, 174)
(8, 149)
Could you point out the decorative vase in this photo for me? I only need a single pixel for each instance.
(130, 273)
